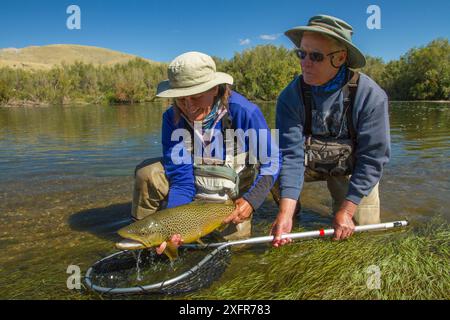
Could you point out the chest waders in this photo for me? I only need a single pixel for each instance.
(225, 179)
(330, 155)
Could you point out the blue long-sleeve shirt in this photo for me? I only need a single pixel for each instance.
(244, 115)
(370, 120)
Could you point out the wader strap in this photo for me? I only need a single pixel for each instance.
(349, 92)
(226, 123)
(306, 94)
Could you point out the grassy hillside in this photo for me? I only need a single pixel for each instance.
(45, 57)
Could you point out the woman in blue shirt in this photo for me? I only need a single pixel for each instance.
(201, 159)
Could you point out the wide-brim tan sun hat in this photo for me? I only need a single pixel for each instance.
(191, 73)
(335, 28)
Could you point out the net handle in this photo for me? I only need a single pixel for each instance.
(305, 235)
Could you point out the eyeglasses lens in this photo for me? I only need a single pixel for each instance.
(314, 56)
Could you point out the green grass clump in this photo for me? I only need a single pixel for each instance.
(414, 264)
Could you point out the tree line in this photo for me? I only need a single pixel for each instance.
(260, 73)
(420, 74)
(132, 82)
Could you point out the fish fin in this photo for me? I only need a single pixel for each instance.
(171, 251)
(228, 202)
(222, 227)
(201, 242)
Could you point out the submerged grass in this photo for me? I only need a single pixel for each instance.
(413, 264)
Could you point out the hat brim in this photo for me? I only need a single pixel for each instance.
(164, 89)
(356, 58)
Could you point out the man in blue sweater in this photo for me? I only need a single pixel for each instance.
(334, 126)
(216, 146)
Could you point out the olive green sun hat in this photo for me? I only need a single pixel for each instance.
(191, 73)
(335, 28)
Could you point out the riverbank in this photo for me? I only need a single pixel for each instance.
(259, 73)
(18, 104)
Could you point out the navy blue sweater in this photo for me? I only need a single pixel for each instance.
(370, 119)
(244, 115)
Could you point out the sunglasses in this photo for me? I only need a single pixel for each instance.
(314, 55)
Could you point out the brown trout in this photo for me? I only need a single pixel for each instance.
(192, 221)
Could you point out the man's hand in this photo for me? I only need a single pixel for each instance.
(283, 222)
(242, 212)
(175, 240)
(343, 221)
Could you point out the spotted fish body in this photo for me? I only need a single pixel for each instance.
(191, 221)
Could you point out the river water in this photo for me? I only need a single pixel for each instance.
(66, 178)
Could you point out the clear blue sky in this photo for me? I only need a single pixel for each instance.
(160, 30)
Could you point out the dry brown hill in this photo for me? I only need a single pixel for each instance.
(44, 57)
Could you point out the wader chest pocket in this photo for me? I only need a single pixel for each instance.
(329, 156)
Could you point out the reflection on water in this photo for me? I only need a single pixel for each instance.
(91, 140)
(66, 176)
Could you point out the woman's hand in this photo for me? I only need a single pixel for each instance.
(242, 212)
